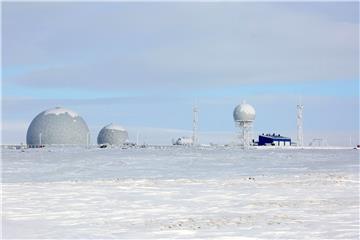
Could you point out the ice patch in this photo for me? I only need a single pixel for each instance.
(60, 110)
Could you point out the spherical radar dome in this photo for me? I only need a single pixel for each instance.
(57, 126)
(244, 113)
(112, 134)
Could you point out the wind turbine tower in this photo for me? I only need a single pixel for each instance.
(299, 121)
(195, 139)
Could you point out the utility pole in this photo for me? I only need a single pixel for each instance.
(299, 121)
(137, 138)
(195, 139)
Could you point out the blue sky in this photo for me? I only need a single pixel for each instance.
(143, 65)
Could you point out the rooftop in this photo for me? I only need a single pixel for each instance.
(273, 136)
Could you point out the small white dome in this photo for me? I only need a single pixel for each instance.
(244, 113)
(113, 134)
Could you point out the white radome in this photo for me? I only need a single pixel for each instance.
(113, 126)
(61, 110)
(57, 126)
(112, 134)
(244, 113)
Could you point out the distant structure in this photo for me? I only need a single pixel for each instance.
(195, 139)
(112, 135)
(244, 116)
(273, 140)
(137, 137)
(57, 126)
(183, 141)
(318, 142)
(299, 121)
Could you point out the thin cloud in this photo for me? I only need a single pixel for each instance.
(184, 45)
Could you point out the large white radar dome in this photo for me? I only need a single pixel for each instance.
(112, 134)
(244, 113)
(57, 126)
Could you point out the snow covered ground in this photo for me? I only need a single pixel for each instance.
(180, 192)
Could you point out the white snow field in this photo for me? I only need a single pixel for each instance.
(180, 193)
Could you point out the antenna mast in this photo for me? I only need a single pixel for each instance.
(195, 139)
(299, 121)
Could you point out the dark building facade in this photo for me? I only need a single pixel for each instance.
(274, 140)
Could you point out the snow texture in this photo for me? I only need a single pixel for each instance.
(57, 126)
(180, 193)
(60, 110)
(114, 127)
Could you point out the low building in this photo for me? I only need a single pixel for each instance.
(183, 141)
(273, 140)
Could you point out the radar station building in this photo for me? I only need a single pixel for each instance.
(244, 117)
(57, 126)
(273, 140)
(113, 135)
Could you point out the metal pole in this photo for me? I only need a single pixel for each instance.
(195, 127)
(137, 138)
(299, 121)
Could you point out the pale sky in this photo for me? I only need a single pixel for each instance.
(143, 66)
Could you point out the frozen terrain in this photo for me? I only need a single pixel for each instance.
(179, 192)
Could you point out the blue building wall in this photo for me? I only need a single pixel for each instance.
(273, 140)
